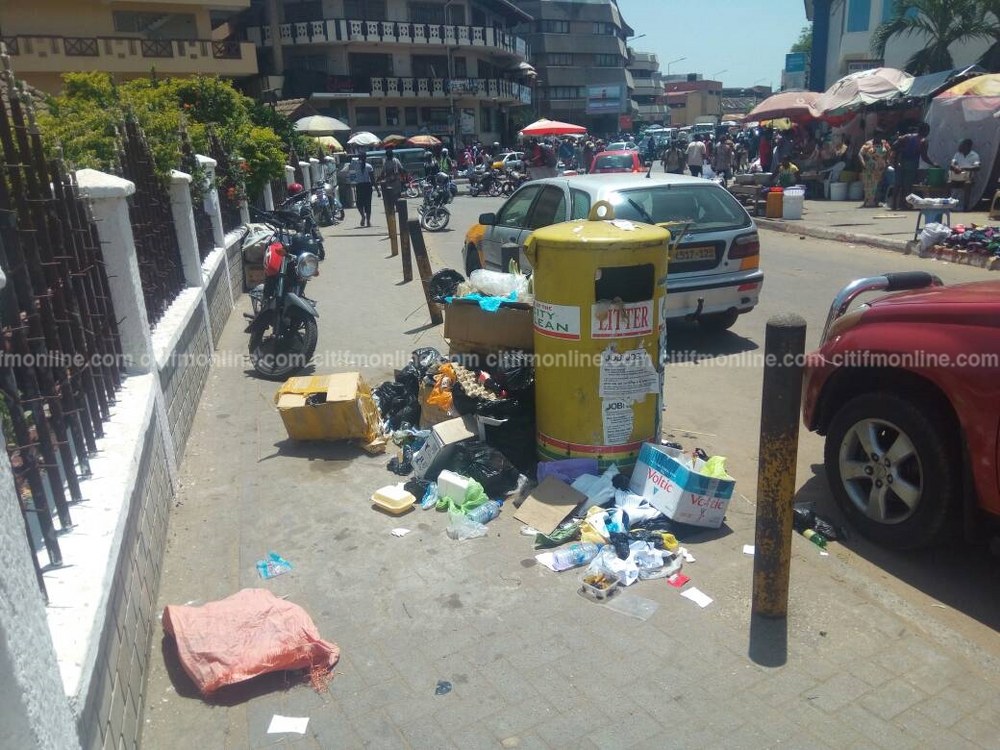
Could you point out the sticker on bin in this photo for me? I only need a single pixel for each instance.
(618, 419)
(610, 320)
(628, 375)
(557, 321)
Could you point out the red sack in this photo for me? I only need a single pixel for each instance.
(245, 635)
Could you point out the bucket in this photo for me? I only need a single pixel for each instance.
(856, 191)
(772, 209)
(794, 199)
(936, 177)
(838, 191)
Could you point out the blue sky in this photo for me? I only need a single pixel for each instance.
(746, 38)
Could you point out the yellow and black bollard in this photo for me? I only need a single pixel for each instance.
(402, 211)
(784, 346)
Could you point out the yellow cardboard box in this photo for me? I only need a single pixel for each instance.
(348, 413)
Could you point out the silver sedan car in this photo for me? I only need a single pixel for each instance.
(713, 275)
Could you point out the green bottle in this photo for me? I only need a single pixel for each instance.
(815, 537)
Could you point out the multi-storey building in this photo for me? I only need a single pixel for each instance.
(46, 38)
(580, 53)
(693, 98)
(451, 68)
(842, 40)
(650, 95)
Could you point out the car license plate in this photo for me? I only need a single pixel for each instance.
(686, 254)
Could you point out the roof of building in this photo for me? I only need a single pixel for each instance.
(295, 108)
(511, 9)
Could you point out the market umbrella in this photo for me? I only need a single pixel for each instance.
(329, 142)
(795, 105)
(424, 141)
(393, 140)
(985, 85)
(864, 87)
(364, 138)
(552, 127)
(320, 125)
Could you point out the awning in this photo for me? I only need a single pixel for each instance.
(934, 83)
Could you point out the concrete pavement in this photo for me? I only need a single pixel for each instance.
(531, 663)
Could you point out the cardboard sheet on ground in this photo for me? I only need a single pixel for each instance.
(548, 504)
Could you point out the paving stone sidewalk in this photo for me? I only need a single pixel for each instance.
(530, 662)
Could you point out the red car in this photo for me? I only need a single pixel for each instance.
(906, 389)
(617, 161)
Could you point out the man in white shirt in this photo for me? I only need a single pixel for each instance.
(695, 157)
(963, 160)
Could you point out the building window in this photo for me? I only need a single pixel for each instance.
(564, 92)
(485, 119)
(456, 15)
(461, 67)
(370, 65)
(429, 66)
(607, 61)
(426, 13)
(859, 13)
(367, 116)
(306, 10)
(156, 25)
(560, 58)
(392, 116)
(435, 115)
(363, 10)
(410, 117)
(478, 16)
(553, 27)
(605, 29)
(890, 10)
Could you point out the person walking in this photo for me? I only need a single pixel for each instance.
(391, 181)
(363, 177)
(874, 156)
(673, 159)
(724, 156)
(695, 157)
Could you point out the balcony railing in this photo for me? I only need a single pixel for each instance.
(114, 53)
(333, 30)
(443, 88)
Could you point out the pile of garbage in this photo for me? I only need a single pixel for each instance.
(973, 239)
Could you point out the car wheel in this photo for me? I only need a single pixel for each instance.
(893, 469)
(472, 260)
(718, 322)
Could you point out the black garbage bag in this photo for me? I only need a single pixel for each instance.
(396, 404)
(444, 284)
(515, 437)
(513, 371)
(486, 465)
(464, 403)
(417, 487)
(403, 463)
(410, 377)
(424, 358)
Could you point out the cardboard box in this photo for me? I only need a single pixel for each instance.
(510, 327)
(252, 276)
(440, 446)
(679, 492)
(431, 414)
(348, 413)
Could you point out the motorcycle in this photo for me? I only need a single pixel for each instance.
(434, 217)
(511, 182)
(325, 205)
(486, 182)
(283, 329)
(413, 188)
(297, 214)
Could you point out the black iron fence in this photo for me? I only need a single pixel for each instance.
(62, 355)
(230, 182)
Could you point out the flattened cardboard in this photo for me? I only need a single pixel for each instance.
(548, 504)
(510, 327)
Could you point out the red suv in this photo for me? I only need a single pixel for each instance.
(906, 389)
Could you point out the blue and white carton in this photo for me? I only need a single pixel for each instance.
(672, 484)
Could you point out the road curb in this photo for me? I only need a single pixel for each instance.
(948, 255)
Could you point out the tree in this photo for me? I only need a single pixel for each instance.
(990, 59)
(940, 24)
(805, 41)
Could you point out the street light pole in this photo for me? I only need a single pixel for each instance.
(672, 62)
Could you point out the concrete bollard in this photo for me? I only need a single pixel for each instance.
(212, 206)
(403, 211)
(784, 346)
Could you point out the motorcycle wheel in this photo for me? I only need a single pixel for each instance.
(435, 219)
(412, 191)
(507, 189)
(495, 189)
(338, 215)
(325, 218)
(474, 191)
(279, 359)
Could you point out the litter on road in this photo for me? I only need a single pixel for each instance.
(288, 724)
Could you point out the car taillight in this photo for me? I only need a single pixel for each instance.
(745, 246)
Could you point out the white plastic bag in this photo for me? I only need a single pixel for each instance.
(932, 234)
(461, 527)
(496, 284)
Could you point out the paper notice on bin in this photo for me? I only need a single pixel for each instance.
(618, 420)
(628, 375)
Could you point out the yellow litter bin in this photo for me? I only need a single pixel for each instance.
(600, 332)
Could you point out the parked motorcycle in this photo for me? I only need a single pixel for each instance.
(297, 213)
(486, 182)
(326, 205)
(283, 329)
(434, 217)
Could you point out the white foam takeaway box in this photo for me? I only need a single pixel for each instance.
(678, 491)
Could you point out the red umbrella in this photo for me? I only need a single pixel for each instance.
(552, 127)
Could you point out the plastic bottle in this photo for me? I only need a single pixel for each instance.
(575, 555)
(815, 537)
(485, 512)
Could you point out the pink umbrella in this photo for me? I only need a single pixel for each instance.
(795, 105)
(864, 87)
(552, 127)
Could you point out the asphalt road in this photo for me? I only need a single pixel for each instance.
(715, 404)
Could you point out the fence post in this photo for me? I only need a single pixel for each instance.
(212, 207)
(107, 196)
(390, 225)
(289, 175)
(187, 240)
(403, 209)
(244, 206)
(36, 712)
(306, 175)
(424, 266)
(268, 197)
(329, 168)
(316, 172)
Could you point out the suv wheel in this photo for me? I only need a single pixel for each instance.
(718, 322)
(892, 468)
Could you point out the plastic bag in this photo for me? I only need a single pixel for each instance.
(461, 527)
(424, 358)
(475, 496)
(403, 463)
(496, 284)
(933, 234)
(597, 489)
(245, 635)
(444, 284)
(513, 371)
(486, 465)
(396, 405)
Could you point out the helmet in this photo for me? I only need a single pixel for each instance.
(496, 144)
(444, 151)
(295, 188)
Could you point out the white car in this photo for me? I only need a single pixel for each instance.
(713, 275)
(622, 146)
(510, 160)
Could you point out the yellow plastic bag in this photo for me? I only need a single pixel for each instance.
(596, 531)
(440, 395)
(715, 467)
